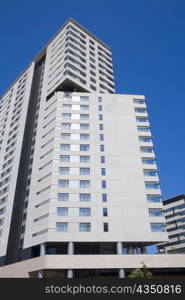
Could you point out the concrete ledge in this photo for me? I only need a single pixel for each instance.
(22, 269)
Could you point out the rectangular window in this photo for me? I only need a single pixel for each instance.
(147, 161)
(65, 136)
(101, 126)
(102, 159)
(84, 117)
(140, 110)
(62, 211)
(100, 107)
(63, 183)
(104, 197)
(105, 212)
(64, 171)
(151, 185)
(84, 98)
(84, 159)
(63, 197)
(66, 125)
(85, 197)
(65, 147)
(84, 212)
(105, 227)
(84, 147)
(84, 107)
(84, 136)
(62, 226)
(101, 137)
(139, 101)
(84, 184)
(141, 119)
(66, 106)
(143, 129)
(102, 148)
(99, 99)
(157, 227)
(103, 172)
(154, 198)
(84, 171)
(155, 212)
(150, 172)
(146, 150)
(64, 158)
(145, 139)
(84, 227)
(84, 126)
(66, 116)
(100, 117)
(103, 183)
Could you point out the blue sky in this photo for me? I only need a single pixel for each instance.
(147, 38)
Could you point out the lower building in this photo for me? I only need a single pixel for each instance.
(174, 211)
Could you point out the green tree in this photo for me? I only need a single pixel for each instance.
(140, 273)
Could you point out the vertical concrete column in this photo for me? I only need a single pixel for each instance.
(143, 250)
(40, 274)
(70, 251)
(42, 249)
(119, 252)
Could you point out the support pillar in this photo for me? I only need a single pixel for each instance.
(70, 251)
(120, 252)
(42, 249)
(40, 274)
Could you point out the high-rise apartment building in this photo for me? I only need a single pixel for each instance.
(78, 170)
(174, 212)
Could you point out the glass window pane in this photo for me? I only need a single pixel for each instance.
(63, 197)
(85, 227)
(84, 171)
(64, 171)
(84, 212)
(62, 211)
(64, 158)
(65, 147)
(84, 159)
(84, 183)
(85, 197)
(62, 226)
(63, 183)
(84, 147)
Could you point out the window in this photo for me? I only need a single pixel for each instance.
(155, 212)
(65, 147)
(140, 110)
(157, 227)
(105, 227)
(84, 212)
(84, 184)
(100, 107)
(84, 159)
(147, 161)
(63, 197)
(84, 136)
(103, 172)
(101, 137)
(66, 125)
(145, 139)
(154, 198)
(64, 158)
(84, 227)
(99, 99)
(62, 226)
(105, 212)
(64, 171)
(84, 147)
(84, 116)
(66, 116)
(66, 136)
(84, 107)
(84, 98)
(102, 148)
(84, 126)
(143, 129)
(102, 159)
(141, 119)
(84, 171)
(146, 150)
(63, 183)
(66, 106)
(150, 172)
(100, 117)
(101, 126)
(103, 183)
(104, 197)
(151, 185)
(139, 101)
(62, 211)
(85, 197)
